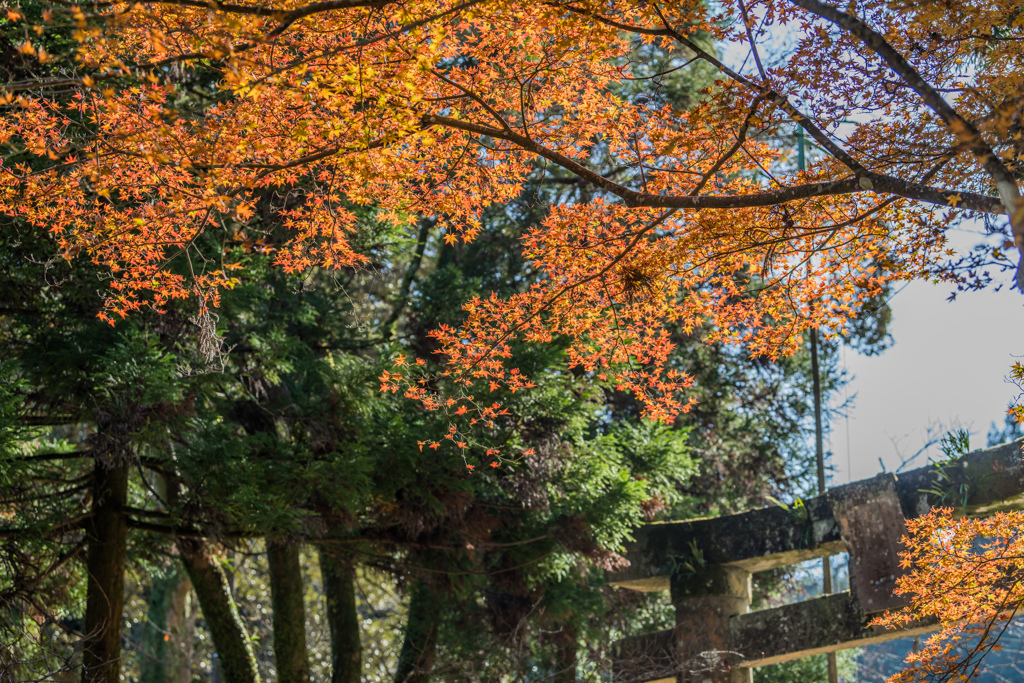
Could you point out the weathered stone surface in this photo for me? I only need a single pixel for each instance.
(713, 579)
(754, 541)
(980, 483)
(775, 537)
(710, 561)
(706, 600)
(871, 522)
(824, 624)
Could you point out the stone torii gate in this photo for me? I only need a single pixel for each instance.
(707, 565)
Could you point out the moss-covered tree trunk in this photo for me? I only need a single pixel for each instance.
(107, 533)
(420, 645)
(286, 591)
(170, 625)
(230, 640)
(338, 572)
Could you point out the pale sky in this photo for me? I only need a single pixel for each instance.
(948, 368)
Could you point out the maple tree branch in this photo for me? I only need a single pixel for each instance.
(812, 129)
(364, 42)
(867, 181)
(741, 137)
(267, 169)
(753, 45)
(963, 129)
(945, 159)
(782, 102)
(685, 64)
(986, 643)
(531, 145)
(320, 7)
(545, 305)
(251, 10)
(476, 98)
(630, 28)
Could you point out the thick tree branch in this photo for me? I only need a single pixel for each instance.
(44, 457)
(866, 181)
(782, 102)
(155, 514)
(741, 137)
(963, 129)
(72, 524)
(816, 133)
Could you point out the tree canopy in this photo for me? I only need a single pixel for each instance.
(182, 119)
(175, 150)
(283, 441)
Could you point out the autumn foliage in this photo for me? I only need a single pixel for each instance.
(968, 576)
(269, 126)
(187, 119)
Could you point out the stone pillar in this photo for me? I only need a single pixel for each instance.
(872, 526)
(705, 601)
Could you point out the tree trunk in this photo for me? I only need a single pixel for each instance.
(107, 532)
(9, 668)
(286, 591)
(234, 651)
(420, 645)
(338, 574)
(167, 642)
(566, 655)
(183, 632)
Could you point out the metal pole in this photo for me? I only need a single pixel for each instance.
(801, 160)
(819, 437)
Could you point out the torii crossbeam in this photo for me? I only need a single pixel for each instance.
(707, 564)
